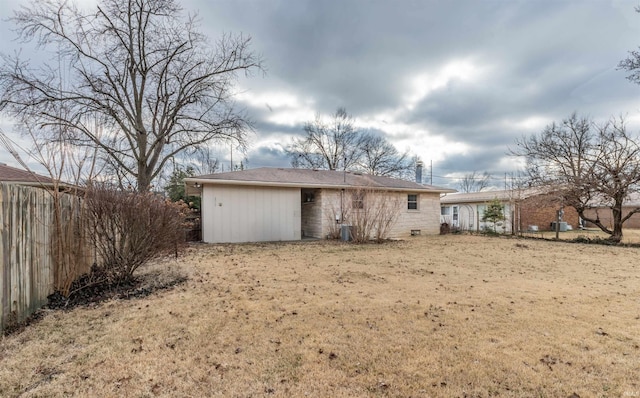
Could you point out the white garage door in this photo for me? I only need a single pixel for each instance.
(250, 214)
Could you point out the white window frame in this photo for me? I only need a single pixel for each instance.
(415, 202)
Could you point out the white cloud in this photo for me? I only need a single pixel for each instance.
(284, 108)
(464, 71)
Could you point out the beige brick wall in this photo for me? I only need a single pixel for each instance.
(311, 213)
(331, 207)
(426, 219)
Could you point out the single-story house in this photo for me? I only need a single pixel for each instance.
(523, 209)
(282, 204)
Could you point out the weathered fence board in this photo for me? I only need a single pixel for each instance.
(28, 269)
(26, 272)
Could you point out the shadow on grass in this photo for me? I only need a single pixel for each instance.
(86, 293)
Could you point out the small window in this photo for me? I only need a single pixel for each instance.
(445, 210)
(412, 202)
(357, 200)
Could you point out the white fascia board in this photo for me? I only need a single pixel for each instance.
(206, 181)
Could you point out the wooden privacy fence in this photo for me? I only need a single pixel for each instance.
(29, 271)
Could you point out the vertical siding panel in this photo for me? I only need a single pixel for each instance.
(211, 228)
(273, 218)
(281, 224)
(253, 206)
(296, 204)
(220, 219)
(286, 213)
(266, 217)
(251, 214)
(215, 217)
(237, 217)
(257, 210)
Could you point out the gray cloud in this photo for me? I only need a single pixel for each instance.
(535, 60)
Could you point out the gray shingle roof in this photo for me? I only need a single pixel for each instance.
(487, 196)
(12, 174)
(307, 178)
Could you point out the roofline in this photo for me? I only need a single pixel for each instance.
(43, 185)
(204, 181)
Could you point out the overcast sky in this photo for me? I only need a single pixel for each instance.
(454, 82)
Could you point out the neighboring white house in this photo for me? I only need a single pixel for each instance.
(466, 210)
(278, 204)
(523, 209)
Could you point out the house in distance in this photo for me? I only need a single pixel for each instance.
(524, 210)
(285, 204)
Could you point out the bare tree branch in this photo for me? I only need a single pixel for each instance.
(588, 165)
(337, 144)
(160, 86)
(474, 182)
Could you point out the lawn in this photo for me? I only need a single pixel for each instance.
(433, 316)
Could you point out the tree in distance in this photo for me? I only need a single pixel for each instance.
(338, 145)
(474, 182)
(157, 85)
(175, 188)
(327, 145)
(587, 166)
(493, 214)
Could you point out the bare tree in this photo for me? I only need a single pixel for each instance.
(207, 164)
(632, 63)
(327, 145)
(380, 157)
(158, 84)
(474, 182)
(587, 165)
(337, 144)
(369, 212)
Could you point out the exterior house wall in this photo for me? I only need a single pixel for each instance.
(232, 213)
(334, 205)
(425, 219)
(470, 217)
(541, 211)
(606, 217)
(312, 213)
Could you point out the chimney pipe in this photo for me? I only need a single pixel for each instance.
(419, 171)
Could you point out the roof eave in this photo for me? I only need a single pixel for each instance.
(208, 181)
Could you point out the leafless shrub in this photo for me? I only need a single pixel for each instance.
(131, 228)
(445, 228)
(71, 249)
(333, 218)
(372, 214)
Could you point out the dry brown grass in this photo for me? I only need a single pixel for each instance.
(438, 316)
(630, 236)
